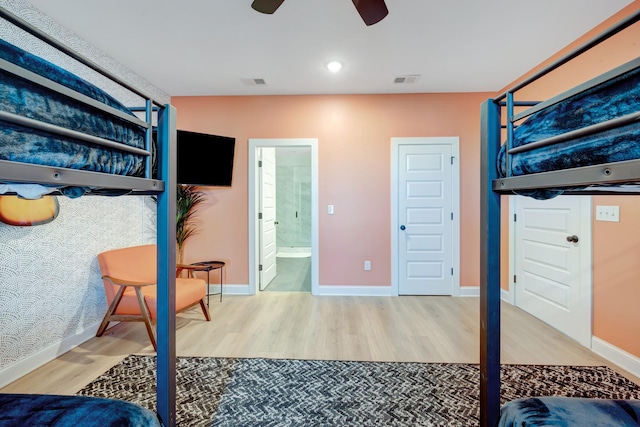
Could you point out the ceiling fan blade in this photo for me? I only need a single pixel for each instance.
(266, 6)
(371, 11)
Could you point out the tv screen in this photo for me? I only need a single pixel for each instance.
(204, 160)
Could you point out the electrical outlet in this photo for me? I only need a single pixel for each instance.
(608, 213)
(330, 209)
(367, 265)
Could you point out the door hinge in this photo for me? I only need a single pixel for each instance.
(259, 215)
(514, 278)
(260, 267)
(452, 271)
(451, 216)
(452, 157)
(515, 217)
(259, 163)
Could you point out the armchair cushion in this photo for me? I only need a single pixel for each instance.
(188, 291)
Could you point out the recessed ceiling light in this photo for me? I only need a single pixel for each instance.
(334, 66)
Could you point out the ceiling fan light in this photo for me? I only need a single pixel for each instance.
(334, 66)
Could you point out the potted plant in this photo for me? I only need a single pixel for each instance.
(187, 198)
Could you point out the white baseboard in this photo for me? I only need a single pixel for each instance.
(22, 367)
(382, 291)
(625, 360)
(474, 291)
(360, 291)
(469, 291)
(505, 295)
(229, 289)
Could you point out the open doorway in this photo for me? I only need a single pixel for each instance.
(283, 223)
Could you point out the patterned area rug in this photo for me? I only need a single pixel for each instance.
(276, 392)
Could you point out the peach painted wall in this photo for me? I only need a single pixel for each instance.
(354, 150)
(616, 246)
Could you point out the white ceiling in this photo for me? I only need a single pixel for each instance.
(211, 47)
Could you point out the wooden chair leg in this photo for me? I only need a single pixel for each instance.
(112, 309)
(146, 317)
(205, 309)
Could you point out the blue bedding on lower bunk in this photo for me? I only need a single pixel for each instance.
(569, 412)
(614, 98)
(28, 99)
(21, 410)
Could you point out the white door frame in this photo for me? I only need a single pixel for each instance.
(254, 193)
(585, 247)
(454, 141)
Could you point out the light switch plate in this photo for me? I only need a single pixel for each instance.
(608, 213)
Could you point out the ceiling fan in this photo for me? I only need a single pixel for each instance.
(371, 11)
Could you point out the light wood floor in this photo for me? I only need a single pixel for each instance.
(297, 325)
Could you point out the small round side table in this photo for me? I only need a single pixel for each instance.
(209, 266)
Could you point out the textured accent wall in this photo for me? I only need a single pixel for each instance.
(50, 286)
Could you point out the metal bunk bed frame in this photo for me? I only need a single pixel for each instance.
(492, 187)
(164, 187)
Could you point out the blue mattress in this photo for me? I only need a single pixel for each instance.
(22, 410)
(25, 98)
(614, 98)
(569, 412)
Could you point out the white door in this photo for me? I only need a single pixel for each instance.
(268, 267)
(553, 262)
(425, 217)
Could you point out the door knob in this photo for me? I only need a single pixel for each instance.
(572, 239)
(402, 227)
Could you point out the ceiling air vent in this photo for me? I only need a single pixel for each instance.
(407, 79)
(254, 82)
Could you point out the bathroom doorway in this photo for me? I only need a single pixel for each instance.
(284, 215)
(293, 220)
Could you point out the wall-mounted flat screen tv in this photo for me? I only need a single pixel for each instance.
(205, 160)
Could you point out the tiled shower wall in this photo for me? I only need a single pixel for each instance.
(293, 202)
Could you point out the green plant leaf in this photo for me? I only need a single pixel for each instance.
(187, 199)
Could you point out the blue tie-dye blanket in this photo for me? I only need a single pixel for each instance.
(24, 98)
(21, 410)
(569, 412)
(615, 98)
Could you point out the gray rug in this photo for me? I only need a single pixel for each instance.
(276, 392)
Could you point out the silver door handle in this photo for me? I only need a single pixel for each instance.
(572, 239)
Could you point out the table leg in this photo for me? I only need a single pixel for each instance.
(208, 288)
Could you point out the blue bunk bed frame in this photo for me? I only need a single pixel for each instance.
(493, 186)
(164, 187)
